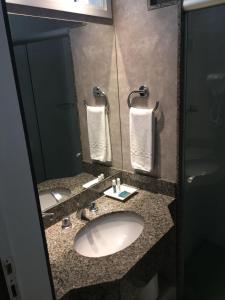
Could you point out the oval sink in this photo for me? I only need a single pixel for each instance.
(108, 234)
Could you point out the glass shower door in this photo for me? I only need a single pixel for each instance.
(204, 155)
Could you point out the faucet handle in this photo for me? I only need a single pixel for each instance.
(66, 223)
(93, 207)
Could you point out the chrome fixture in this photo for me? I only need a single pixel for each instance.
(81, 211)
(98, 93)
(143, 92)
(190, 179)
(78, 154)
(93, 207)
(81, 215)
(66, 223)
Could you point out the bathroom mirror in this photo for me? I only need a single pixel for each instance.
(67, 74)
(63, 10)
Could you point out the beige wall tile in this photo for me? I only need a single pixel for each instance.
(94, 59)
(147, 43)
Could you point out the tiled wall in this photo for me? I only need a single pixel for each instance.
(145, 53)
(147, 43)
(94, 59)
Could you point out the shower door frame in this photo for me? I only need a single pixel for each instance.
(22, 239)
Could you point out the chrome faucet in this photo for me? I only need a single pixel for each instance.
(81, 215)
(93, 207)
(81, 211)
(66, 223)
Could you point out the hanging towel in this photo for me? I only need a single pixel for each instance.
(141, 138)
(98, 133)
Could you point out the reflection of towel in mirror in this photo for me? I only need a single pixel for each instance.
(141, 138)
(98, 133)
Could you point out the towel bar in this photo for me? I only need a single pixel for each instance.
(143, 93)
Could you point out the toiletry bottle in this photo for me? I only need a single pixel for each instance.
(118, 184)
(114, 185)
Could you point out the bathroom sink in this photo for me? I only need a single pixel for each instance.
(108, 234)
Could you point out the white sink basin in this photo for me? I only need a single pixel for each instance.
(108, 234)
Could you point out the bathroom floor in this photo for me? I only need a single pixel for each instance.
(205, 274)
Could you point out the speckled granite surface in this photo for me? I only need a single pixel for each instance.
(149, 183)
(71, 270)
(74, 184)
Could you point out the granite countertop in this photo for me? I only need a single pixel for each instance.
(74, 184)
(71, 270)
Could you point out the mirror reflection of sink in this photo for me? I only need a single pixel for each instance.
(108, 234)
(53, 196)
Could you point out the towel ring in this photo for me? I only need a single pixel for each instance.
(98, 93)
(143, 93)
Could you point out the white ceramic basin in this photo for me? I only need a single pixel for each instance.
(108, 234)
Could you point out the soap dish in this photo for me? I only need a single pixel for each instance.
(123, 188)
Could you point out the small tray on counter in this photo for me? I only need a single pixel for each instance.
(123, 188)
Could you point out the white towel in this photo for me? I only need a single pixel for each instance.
(142, 138)
(98, 133)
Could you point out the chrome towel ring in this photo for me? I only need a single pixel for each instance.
(98, 93)
(143, 92)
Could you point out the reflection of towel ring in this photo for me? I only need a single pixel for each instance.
(97, 92)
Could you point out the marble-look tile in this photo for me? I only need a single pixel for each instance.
(147, 43)
(94, 60)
